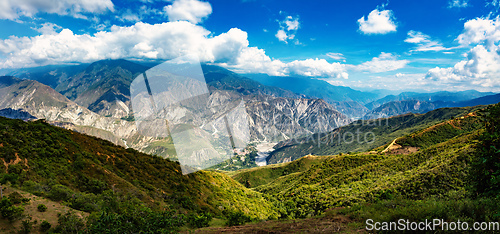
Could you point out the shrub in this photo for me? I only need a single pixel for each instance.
(60, 192)
(199, 221)
(45, 226)
(69, 223)
(237, 218)
(26, 227)
(15, 197)
(9, 211)
(41, 207)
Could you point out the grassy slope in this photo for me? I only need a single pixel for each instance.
(51, 155)
(343, 180)
(384, 130)
(50, 215)
(257, 176)
(299, 189)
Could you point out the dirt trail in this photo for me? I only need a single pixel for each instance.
(390, 145)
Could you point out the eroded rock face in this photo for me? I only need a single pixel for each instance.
(101, 105)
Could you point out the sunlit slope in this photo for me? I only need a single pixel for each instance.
(47, 155)
(364, 135)
(438, 165)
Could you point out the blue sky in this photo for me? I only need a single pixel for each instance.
(398, 45)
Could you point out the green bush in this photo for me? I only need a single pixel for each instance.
(45, 226)
(69, 223)
(236, 218)
(60, 192)
(451, 207)
(199, 220)
(15, 197)
(136, 220)
(9, 211)
(26, 227)
(41, 207)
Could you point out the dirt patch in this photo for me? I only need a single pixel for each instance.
(403, 150)
(395, 148)
(309, 225)
(16, 161)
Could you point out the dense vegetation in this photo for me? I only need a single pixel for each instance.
(363, 135)
(403, 185)
(114, 184)
(486, 173)
(453, 175)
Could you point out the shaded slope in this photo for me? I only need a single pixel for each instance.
(417, 106)
(315, 88)
(442, 96)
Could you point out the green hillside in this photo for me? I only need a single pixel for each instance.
(363, 135)
(446, 170)
(443, 169)
(93, 175)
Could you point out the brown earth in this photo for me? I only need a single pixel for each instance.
(324, 224)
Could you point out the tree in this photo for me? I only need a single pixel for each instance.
(45, 226)
(70, 223)
(9, 211)
(486, 169)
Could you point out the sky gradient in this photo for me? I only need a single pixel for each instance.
(397, 45)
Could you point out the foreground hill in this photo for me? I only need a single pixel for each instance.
(446, 171)
(435, 162)
(85, 171)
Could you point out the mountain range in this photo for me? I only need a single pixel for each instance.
(409, 156)
(96, 100)
(427, 170)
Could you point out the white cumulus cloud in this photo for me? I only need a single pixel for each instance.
(13, 9)
(481, 67)
(141, 40)
(377, 22)
(254, 60)
(193, 11)
(317, 68)
(288, 28)
(480, 30)
(281, 35)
